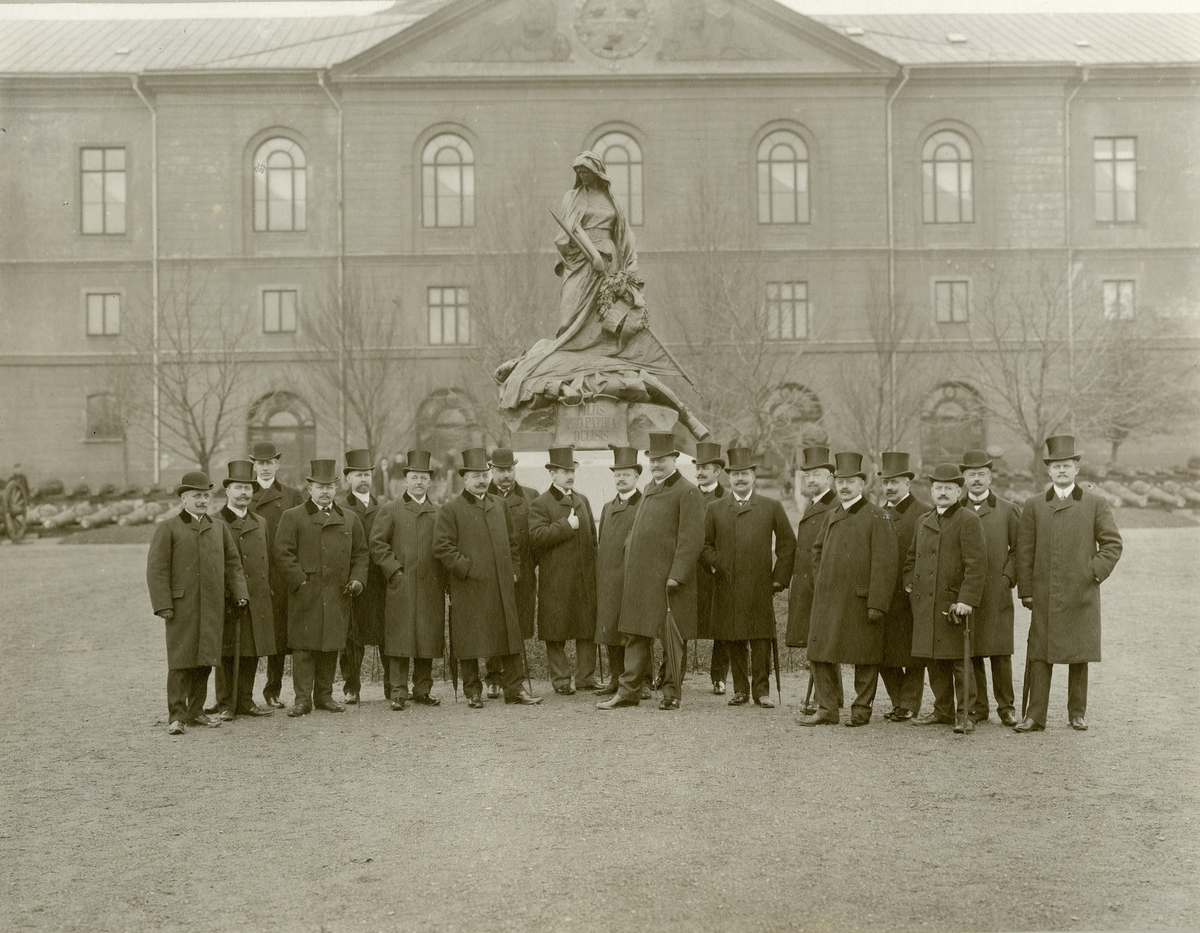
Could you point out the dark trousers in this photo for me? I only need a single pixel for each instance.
(827, 684)
(1002, 685)
(719, 667)
(510, 680)
(639, 661)
(274, 682)
(1039, 676)
(312, 676)
(247, 668)
(616, 662)
(905, 686)
(759, 651)
(560, 666)
(397, 671)
(662, 666)
(494, 675)
(350, 661)
(186, 689)
(953, 692)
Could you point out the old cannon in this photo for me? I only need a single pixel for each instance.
(13, 503)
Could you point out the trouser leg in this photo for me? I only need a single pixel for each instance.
(274, 684)
(324, 672)
(556, 661)
(304, 671)
(585, 662)
(422, 677)
(1002, 683)
(179, 683)
(514, 675)
(893, 683)
(719, 669)
(350, 661)
(941, 681)
(247, 668)
(866, 682)
(1040, 675)
(760, 667)
(964, 689)
(495, 672)
(662, 667)
(979, 709)
(220, 687)
(738, 663)
(826, 687)
(197, 691)
(1077, 685)
(616, 663)
(637, 666)
(913, 688)
(397, 669)
(225, 686)
(468, 673)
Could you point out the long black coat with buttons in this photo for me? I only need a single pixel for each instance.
(566, 559)
(270, 504)
(898, 623)
(258, 618)
(616, 521)
(800, 596)
(367, 625)
(993, 631)
(519, 501)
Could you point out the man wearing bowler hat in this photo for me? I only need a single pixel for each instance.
(854, 575)
(191, 567)
(366, 622)
(709, 465)
(270, 500)
(992, 625)
(1067, 546)
(660, 570)
(401, 545)
(903, 675)
(473, 539)
(564, 538)
(740, 532)
(322, 553)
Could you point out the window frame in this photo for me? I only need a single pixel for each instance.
(793, 305)
(633, 203)
(767, 198)
(1104, 302)
(116, 418)
(104, 149)
(1113, 195)
(265, 290)
(462, 322)
(931, 143)
(966, 301)
(86, 295)
(260, 204)
(429, 178)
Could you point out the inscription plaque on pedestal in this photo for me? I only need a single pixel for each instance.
(592, 425)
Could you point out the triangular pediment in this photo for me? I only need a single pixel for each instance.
(615, 37)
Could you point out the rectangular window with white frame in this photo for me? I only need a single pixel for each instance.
(787, 311)
(1114, 160)
(449, 315)
(102, 190)
(951, 301)
(103, 311)
(104, 419)
(1119, 299)
(279, 310)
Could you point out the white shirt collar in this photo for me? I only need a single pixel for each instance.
(626, 496)
(1064, 493)
(265, 485)
(420, 501)
(892, 505)
(709, 488)
(941, 510)
(196, 518)
(847, 505)
(983, 498)
(365, 500)
(240, 513)
(741, 501)
(565, 494)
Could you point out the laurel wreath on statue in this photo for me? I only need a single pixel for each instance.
(615, 286)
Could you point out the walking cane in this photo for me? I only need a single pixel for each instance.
(525, 661)
(775, 658)
(808, 708)
(237, 658)
(968, 670)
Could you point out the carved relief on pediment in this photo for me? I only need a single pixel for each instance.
(698, 30)
(530, 36)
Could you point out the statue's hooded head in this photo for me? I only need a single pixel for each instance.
(594, 164)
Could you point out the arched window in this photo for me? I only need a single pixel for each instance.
(952, 421)
(280, 193)
(947, 179)
(623, 159)
(448, 182)
(782, 179)
(286, 420)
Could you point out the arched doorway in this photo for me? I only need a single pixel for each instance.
(951, 422)
(794, 415)
(447, 422)
(286, 420)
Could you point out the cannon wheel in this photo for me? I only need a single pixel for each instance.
(15, 499)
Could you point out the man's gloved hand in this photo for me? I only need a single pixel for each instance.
(874, 615)
(166, 614)
(243, 603)
(353, 588)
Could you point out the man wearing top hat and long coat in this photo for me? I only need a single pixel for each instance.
(1067, 546)
(709, 465)
(322, 553)
(854, 576)
(992, 623)
(366, 622)
(401, 545)
(903, 675)
(616, 521)
(473, 539)
(660, 570)
(740, 532)
(271, 499)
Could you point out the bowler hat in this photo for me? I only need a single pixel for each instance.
(503, 458)
(359, 459)
(662, 444)
(1060, 447)
(562, 458)
(475, 460)
(194, 480)
(975, 460)
(945, 473)
(323, 472)
(240, 471)
(264, 450)
(625, 458)
(417, 462)
(849, 464)
(708, 452)
(895, 463)
(741, 458)
(816, 458)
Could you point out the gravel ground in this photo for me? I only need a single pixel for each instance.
(564, 818)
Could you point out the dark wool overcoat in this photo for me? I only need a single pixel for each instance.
(474, 540)
(318, 556)
(897, 624)
(190, 568)
(992, 622)
(946, 563)
(800, 595)
(738, 544)
(519, 500)
(1065, 550)
(616, 521)
(271, 503)
(854, 569)
(664, 543)
(366, 624)
(258, 619)
(566, 560)
(402, 548)
(705, 584)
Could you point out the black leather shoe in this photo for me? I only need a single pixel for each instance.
(1009, 718)
(933, 718)
(588, 685)
(475, 701)
(226, 715)
(739, 699)
(523, 699)
(272, 702)
(615, 703)
(964, 726)
(1079, 724)
(646, 693)
(607, 690)
(398, 702)
(1028, 725)
(425, 699)
(900, 714)
(566, 691)
(764, 702)
(300, 709)
(330, 707)
(206, 720)
(493, 691)
(669, 703)
(256, 711)
(350, 699)
(817, 719)
(855, 721)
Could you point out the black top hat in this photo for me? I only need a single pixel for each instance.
(662, 444)
(945, 473)
(849, 464)
(975, 460)
(240, 471)
(475, 460)
(816, 458)
(708, 452)
(895, 463)
(1060, 447)
(562, 458)
(194, 480)
(625, 458)
(359, 459)
(741, 458)
(418, 462)
(503, 458)
(323, 472)
(264, 450)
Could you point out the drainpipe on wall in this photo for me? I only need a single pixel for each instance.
(1067, 241)
(341, 263)
(891, 235)
(154, 354)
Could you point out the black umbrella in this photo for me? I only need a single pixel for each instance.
(672, 648)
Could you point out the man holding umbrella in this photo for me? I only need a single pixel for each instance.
(616, 521)
(709, 465)
(366, 625)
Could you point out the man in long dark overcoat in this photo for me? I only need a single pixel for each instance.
(903, 675)
(474, 540)
(366, 622)
(616, 521)
(709, 465)
(191, 567)
(249, 630)
(563, 533)
(854, 575)
(740, 532)
(944, 575)
(402, 547)
(1067, 546)
(271, 499)
(322, 552)
(660, 570)
(992, 623)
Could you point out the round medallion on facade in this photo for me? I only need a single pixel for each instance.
(613, 28)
